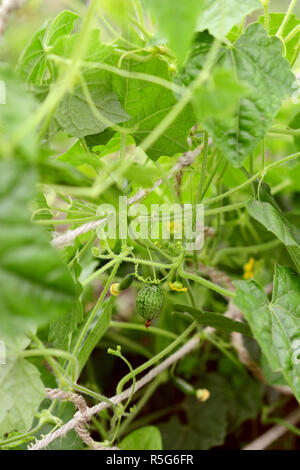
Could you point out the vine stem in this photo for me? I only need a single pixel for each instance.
(52, 352)
(204, 282)
(136, 326)
(191, 345)
(120, 259)
(267, 14)
(156, 358)
(286, 18)
(253, 178)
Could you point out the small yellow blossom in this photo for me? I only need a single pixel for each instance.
(114, 289)
(174, 227)
(177, 286)
(249, 269)
(202, 394)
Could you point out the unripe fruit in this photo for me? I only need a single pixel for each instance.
(149, 302)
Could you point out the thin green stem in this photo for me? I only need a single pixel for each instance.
(91, 393)
(204, 282)
(245, 250)
(203, 169)
(142, 402)
(277, 130)
(292, 34)
(138, 327)
(266, 4)
(211, 176)
(228, 208)
(156, 358)
(52, 352)
(286, 18)
(95, 309)
(253, 178)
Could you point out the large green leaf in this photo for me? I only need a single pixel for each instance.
(274, 221)
(36, 286)
(258, 63)
(219, 16)
(148, 103)
(75, 114)
(216, 320)
(147, 438)
(33, 64)
(233, 399)
(21, 390)
(169, 16)
(275, 324)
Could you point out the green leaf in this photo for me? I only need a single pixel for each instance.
(21, 390)
(219, 16)
(36, 286)
(275, 324)
(78, 155)
(61, 25)
(148, 103)
(33, 64)
(234, 398)
(274, 221)
(94, 333)
(169, 16)
(206, 423)
(75, 114)
(275, 20)
(219, 96)
(216, 320)
(255, 60)
(147, 438)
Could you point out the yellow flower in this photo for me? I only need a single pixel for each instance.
(249, 269)
(202, 394)
(114, 289)
(177, 286)
(174, 227)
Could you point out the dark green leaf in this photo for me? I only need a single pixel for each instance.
(75, 114)
(147, 438)
(255, 60)
(21, 390)
(148, 103)
(275, 324)
(274, 221)
(216, 320)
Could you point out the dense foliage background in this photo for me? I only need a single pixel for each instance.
(103, 99)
